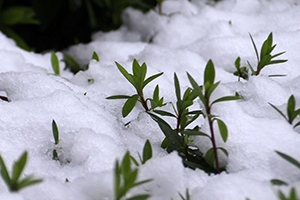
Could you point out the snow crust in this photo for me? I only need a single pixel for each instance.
(92, 130)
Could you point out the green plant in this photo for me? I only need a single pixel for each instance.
(292, 196)
(55, 63)
(290, 110)
(72, 64)
(95, 56)
(147, 154)
(242, 72)
(126, 179)
(56, 139)
(187, 195)
(16, 15)
(204, 93)
(263, 59)
(177, 139)
(13, 181)
(137, 79)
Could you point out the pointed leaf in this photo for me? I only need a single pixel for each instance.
(129, 105)
(142, 72)
(209, 73)
(224, 150)
(277, 61)
(278, 182)
(279, 112)
(18, 167)
(237, 63)
(71, 63)
(289, 159)
(28, 181)
(136, 68)
(151, 78)
(55, 63)
(177, 87)
(210, 157)
(211, 89)
(4, 172)
(223, 129)
(95, 56)
(139, 197)
(147, 151)
(125, 74)
(227, 98)
(164, 113)
(256, 52)
(165, 143)
(118, 97)
(55, 132)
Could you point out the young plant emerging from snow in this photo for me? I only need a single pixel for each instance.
(137, 79)
(187, 195)
(204, 93)
(126, 179)
(290, 110)
(147, 154)
(95, 57)
(56, 139)
(293, 195)
(263, 59)
(13, 181)
(55, 63)
(177, 139)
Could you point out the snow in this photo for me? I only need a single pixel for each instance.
(92, 130)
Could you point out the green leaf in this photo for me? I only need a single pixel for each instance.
(289, 159)
(118, 97)
(55, 64)
(210, 157)
(195, 132)
(223, 130)
(177, 88)
(142, 73)
(279, 112)
(165, 143)
(134, 160)
(227, 98)
(55, 132)
(136, 68)
(18, 15)
(256, 52)
(151, 78)
(129, 105)
(197, 89)
(125, 74)
(237, 63)
(147, 152)
(277, 61)
(209, 73)
(291, 108)
(224, 151)
(28, 181)
(265, 49)
(18, 167)
(140, 197)
(278, 182)
(71, 63)
(4, 173)
(95, 56)
(211, 89)
(164, 113)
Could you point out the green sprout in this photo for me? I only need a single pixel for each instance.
(137, 79)
(242, 72)
(187, 195)
(204, 93)
(55, 64)
(265, 57)
(292, 196)
(147, 154)
(126, 179)
(290, 109)
(13, 181)
(177, 139)
(95, 56)
(71, 63)
(56, 139)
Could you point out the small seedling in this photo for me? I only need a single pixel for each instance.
(126, 179)
(55, 64)
(290, 110)
(265, 58)
(187, 195)
(147, 154)
(95, 57)
(204, 93)
(137, 79)
(56, 139)
(293, 195)
(242, 72)
(13, 181)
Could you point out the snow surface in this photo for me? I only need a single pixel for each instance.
(92, 129)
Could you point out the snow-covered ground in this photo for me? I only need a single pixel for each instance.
(92, 130)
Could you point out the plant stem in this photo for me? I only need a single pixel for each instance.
(213, 141)
(143, 101)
